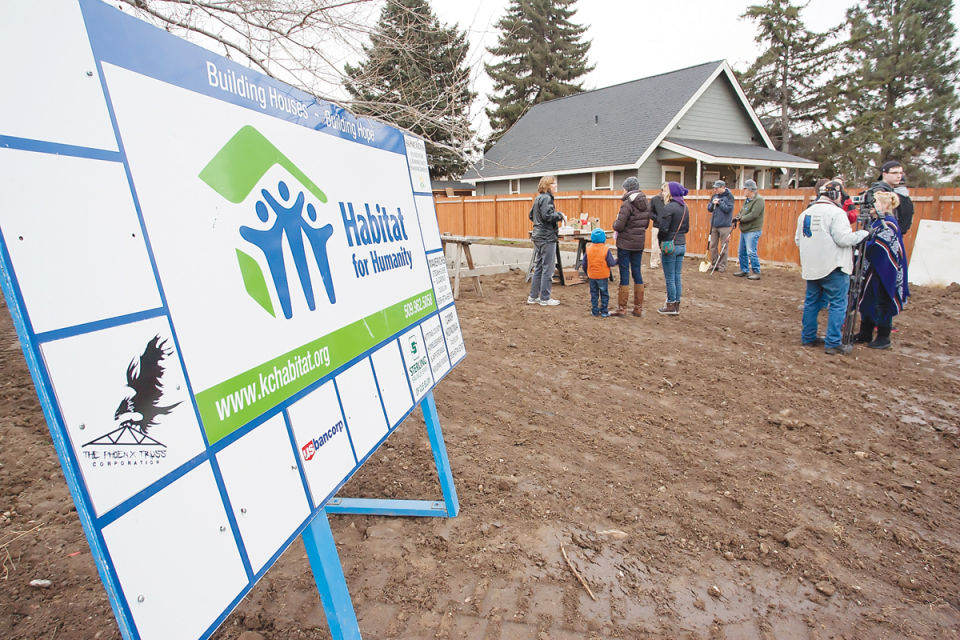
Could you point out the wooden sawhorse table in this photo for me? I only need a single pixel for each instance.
(463, 250)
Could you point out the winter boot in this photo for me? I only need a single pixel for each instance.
(883, 339)
(866, 331)
(623, 296)
(638, 300)
(668, 309)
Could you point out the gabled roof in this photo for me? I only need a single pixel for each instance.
(605, 129)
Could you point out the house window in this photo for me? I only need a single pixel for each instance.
(672, 174)
(602, 180)
(515, 186)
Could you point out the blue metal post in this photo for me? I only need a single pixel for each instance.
(328, 574)
(432, 421)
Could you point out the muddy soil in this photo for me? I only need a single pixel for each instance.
(706, 475)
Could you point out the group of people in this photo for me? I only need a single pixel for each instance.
(669, 214)
(826, 243)
(824, 236)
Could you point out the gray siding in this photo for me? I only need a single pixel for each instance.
(575, 182)
(494, 188)
(529, 185)
(717, 115)
(649, 173)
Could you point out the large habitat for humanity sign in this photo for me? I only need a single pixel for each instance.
(229, 294)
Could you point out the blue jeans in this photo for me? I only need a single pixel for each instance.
(598, 289)
(629, 262)
(830, 292)
(672, 266)
(544, 263)
(748, 250)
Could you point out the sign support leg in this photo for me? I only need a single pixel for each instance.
(432, 420)
(328, 574)
(446, 509)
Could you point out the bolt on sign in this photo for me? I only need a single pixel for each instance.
(229, 293)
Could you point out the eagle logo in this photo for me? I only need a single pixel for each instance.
(138, 412)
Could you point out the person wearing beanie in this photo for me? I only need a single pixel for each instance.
(891, 177)
(721, 224)
(597, 261)
(673, 226)
(750, 219)
(631, 227)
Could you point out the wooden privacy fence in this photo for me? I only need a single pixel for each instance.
(505, 216)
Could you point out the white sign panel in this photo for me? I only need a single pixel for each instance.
(229, 294)
(933, 261)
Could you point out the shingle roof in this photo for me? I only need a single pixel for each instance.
(606, 127)
(741, 151)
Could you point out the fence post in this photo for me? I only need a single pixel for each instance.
(463, 214)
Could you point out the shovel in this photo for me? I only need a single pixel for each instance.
(721, 253)
(705, 263)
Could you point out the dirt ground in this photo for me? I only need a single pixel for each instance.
(707, 476)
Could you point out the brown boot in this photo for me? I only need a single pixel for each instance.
(668, 309)
(638, 300)
(623, 296)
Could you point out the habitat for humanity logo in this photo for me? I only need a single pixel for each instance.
(130, 444)
(285, 218)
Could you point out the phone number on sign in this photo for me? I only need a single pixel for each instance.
(417, 305)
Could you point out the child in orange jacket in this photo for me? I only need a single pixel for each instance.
(597, 262)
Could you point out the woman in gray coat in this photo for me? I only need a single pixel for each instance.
(545, 218)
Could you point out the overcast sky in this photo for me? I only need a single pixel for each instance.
(632, 39)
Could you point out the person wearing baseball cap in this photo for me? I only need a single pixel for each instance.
(721, 223)
(750, 219)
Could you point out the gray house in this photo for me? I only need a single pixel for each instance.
(691, 126)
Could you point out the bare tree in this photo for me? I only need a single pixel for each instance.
(304, 43)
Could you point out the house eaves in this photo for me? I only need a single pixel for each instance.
(736, 154)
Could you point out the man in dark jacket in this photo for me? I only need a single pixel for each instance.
(721, 223)
(891, 175)
(631, 227)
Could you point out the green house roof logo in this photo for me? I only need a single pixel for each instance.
(285, 217)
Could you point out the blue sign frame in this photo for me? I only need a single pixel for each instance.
(126, 42)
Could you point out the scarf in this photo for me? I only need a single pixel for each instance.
(885, 265)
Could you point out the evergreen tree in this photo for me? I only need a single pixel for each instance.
(414, 76)
(897, 99)
(541, 57)
(784, 82)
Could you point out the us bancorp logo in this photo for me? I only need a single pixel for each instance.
(285, 217)
(311, 448)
